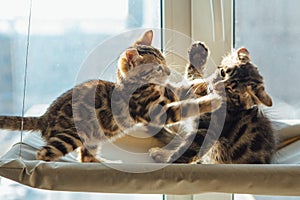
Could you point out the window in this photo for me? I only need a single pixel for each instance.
(61, 37)
(62, 34)
(271, 32)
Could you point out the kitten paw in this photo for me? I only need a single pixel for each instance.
(210, 103)
(48, 154)
(196, 160)
(160, 155)
(200, 89)
(85, 156)
(89, 159)
(198, 54)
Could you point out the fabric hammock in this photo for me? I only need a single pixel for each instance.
(280, 178)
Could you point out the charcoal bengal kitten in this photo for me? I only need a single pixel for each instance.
(246, 135)
(97, 111)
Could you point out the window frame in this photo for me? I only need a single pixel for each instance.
(189, 16)
(192, 17)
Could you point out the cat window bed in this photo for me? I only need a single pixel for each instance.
(70, 175)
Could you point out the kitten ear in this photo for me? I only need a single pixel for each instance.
(125, 62)
(260, 96)
(264, 97)
(146, 39)
(131, 54)
(243, 55)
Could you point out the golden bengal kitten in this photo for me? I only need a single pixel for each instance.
(246, 136)
(97, 111)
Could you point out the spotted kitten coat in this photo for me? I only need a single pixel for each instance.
(97, 111)
(246, 136)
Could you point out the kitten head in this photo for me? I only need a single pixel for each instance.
(142, 63)
(243, 84)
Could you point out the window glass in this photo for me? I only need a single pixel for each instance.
(62, 35)
(270, 30)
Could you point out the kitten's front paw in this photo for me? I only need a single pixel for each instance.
(196, 160)
(160, 155)
(198, 54)
(210, 102)
(200, 89)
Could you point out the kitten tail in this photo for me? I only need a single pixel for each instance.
(15, 123)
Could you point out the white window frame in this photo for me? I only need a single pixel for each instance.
(210, 21)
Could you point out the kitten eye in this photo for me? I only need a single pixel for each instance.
(223, 73)
(228, 71)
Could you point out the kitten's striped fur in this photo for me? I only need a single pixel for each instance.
(246, 135)
(97, 111)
